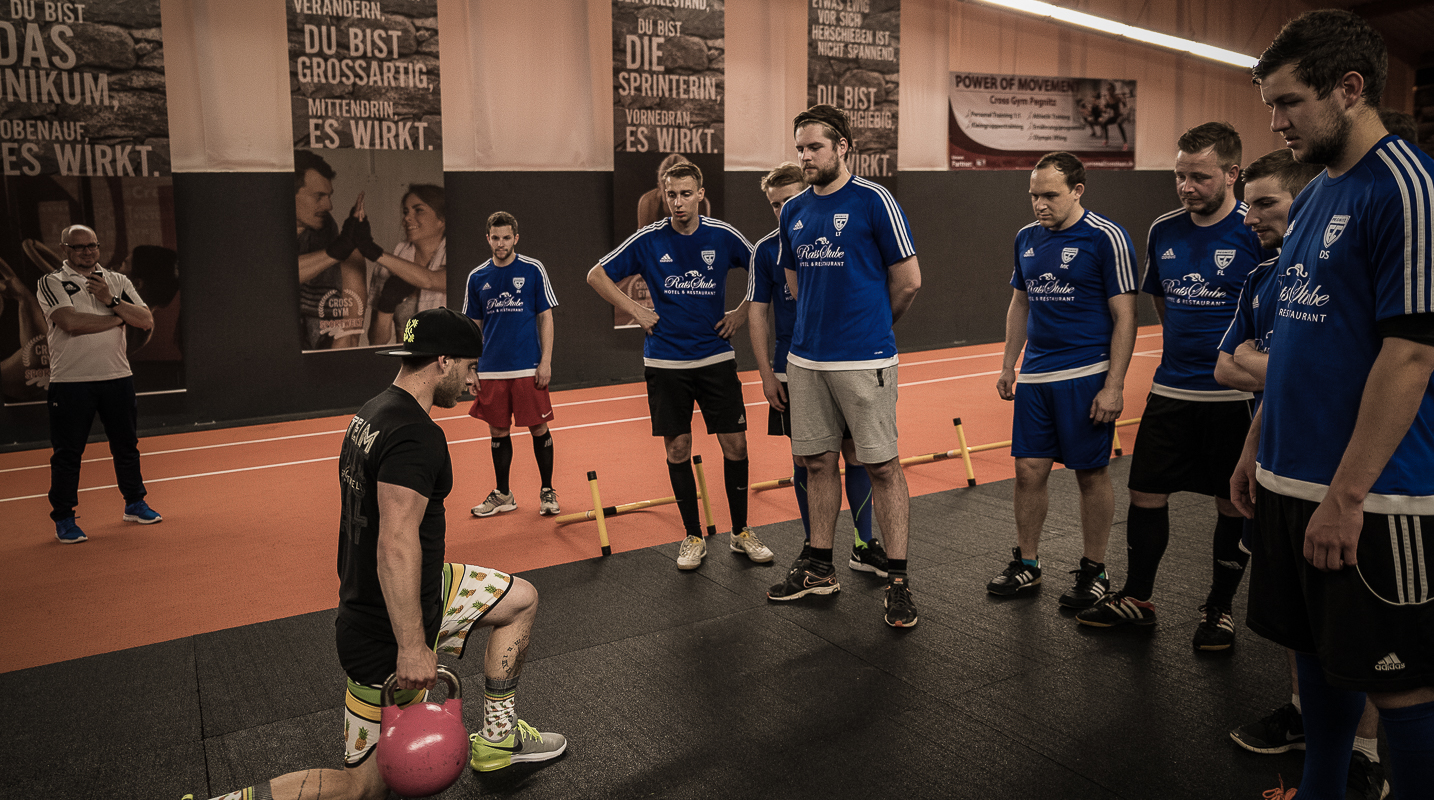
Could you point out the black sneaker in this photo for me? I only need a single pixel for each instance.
(1091, 585)
(1117, 609)
(1283, 730)
(1216, 631)
(869, 558)
(900, 610)
(1017, 576)
(801, 581)
(1366, 779)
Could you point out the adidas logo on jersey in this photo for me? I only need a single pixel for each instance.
(1169, 253)
(1030, 253)
(666, 259)
(1389, 663)
(797, 226)
(1255, 301)
(486, 287)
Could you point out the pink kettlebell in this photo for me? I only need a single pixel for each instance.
(423, 747)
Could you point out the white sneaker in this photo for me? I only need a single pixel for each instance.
(496, 502)
(747, 542)
(548, 503)
(691, 552)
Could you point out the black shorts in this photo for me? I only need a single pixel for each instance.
(1185, 446)
(779, 423)
(715, 388)
(1372, 625)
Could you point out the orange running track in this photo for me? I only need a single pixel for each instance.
(250, 514)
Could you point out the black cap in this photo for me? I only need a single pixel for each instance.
(439, 332)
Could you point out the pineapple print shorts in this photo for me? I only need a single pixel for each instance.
(469, 592)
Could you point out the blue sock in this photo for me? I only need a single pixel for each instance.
(1410, 731)
(799, 482)
(1330, 718)
(858, 496)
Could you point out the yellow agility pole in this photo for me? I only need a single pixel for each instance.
(965, 452)
(1116, 433)
(612, 511)
(598, 510)
(702, 493)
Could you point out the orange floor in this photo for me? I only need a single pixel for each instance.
(250, 513)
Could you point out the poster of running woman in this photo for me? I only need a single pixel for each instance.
(1010, 121)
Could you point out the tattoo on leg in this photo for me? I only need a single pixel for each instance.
(512, 662)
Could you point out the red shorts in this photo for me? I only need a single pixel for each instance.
(503, 402)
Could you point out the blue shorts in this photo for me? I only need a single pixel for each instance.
(1052, 420)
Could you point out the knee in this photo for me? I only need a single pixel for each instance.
(679, 448)
(1148, 500)
(884, 472)
(539, 430)
(823, 464)
(734, 447)
(524, 596)
(1092, 479)
(1031, 476)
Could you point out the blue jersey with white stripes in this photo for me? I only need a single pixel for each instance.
(841, 245)
(1359, 250)
(506, 302)
(767, 283)
(687, 279)
(1069, 277)
(1255, 312)
(1199, 272)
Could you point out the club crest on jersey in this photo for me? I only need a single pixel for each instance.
(709, 256)
(1068, 255)
(666, 259)
(518, 284)
(1223, 259)
(1334, 228)
(839, 220)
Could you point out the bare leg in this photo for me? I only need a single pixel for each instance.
(891, 500)
(824, 498)
(359, 783)
(1032, 501)
(1097, 511)
(512, 622)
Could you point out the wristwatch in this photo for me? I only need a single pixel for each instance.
(113, 303)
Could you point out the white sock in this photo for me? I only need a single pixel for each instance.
(1295, 700)
(1370, 747)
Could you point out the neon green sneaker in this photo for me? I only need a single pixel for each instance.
(523, 744)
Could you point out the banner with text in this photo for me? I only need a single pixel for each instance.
(1010, 121)
(854, 63)
(368, 138)
(669, 85)
(85, 139)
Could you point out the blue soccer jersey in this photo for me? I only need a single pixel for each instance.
(767, 283)
(1255, 312)
(506, 302)
(1198, 272)
(1069, 277)
(687, 278)
(1357, 251)
(840, 246)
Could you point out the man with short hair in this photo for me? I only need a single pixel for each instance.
(1073, 310)
(774, 310)
(1343, 482)
(331, 268)
(1196, 261)
(846, 250)
(88, 309)
(511, 297)
(399, 603)
(685, 259)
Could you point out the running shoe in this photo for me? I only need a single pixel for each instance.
(747, 542)
(691, 552)
(547, 503)
(523, 744)
(1117, 609)
(1366, 779)
(68, 532)
(801, 581)
(900, 610)
(869, 558)
(1280, 732)
(496, 503)
(139, 511)
(1017, 576)
(1216, 631)
(1091, 584)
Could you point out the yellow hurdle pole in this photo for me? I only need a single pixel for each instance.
(965, 452)
(1115, 434)
(1115, 441)
(612, 511)
(598, 510)
(765, 485)
(702, 492)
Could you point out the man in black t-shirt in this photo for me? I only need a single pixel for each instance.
(399, 603)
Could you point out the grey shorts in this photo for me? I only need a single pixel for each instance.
(826, 404)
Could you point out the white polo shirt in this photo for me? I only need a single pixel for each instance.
(76, 358)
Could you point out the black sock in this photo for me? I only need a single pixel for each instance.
(543, 452)
(734, 474)
(502, 461)
(1230, 561)
(1147, 533)
(684, 488)
(820, 561)
(896, 568)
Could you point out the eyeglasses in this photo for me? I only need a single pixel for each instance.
(84, 246)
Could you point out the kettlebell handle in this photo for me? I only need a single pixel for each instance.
(455, 687)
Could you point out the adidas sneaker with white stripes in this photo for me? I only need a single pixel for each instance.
(1016, 577)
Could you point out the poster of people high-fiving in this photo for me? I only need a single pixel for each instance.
(368, 169)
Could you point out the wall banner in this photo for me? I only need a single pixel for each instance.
(854, 63)
(668, 105)
(1010, 121)
(84, 139)
(368, 138)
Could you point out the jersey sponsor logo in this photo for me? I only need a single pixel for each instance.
(1191, 289)
(1223, 259)
(1030, 253)
(504, 302)
(1296, 290)
(690, 282)
(709, 257)
(1389, 663)
(1049, 287)
(1168, 254)
(666, 259)
(797, 226)
(820, 250)
(839, 220)
(518, 284)
(1335, 227)
(1068, 255)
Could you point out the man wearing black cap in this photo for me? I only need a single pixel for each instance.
(399, 603)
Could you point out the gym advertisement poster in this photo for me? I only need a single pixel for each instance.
(85, 139)
(854, 63)
(1010, 121)
(368, 135)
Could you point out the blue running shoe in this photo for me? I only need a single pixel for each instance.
(68, 532)
(140, 512)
